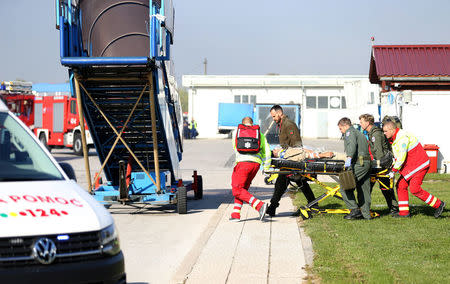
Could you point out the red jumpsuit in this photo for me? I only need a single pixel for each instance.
(243, 174)
(247, 166)
(412, 163)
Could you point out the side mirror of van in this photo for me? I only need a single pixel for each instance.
(67, 168)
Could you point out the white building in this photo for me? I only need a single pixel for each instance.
(323, 100)
(415, 81)
(424, 114)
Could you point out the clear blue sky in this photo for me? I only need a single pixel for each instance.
(242, 36)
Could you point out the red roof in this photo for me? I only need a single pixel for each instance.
(409, 61)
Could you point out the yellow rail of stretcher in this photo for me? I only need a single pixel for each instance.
(308, 210)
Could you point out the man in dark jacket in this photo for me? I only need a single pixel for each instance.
(379, 147)
(358, 160)
(289, 136)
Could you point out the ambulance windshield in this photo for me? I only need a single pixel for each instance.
(21, 157)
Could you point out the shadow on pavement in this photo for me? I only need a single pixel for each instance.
(70, 156)
(65, 158)
(212, 199)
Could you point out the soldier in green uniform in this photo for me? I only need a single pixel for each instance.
(379, 147)
(358, 160)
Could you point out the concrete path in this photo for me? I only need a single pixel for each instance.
(250, 251)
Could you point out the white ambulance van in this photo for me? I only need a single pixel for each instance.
(51, 230)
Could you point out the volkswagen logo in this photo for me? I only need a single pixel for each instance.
(44, 251)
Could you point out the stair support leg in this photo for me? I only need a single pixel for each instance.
(83, 134)
(154, 134)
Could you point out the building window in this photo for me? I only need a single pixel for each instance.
(343, 103)
(335, 102)
(325, 102)
(322, 102)
(311, 102)
(371, 99)
(73, 107)
(244, 99)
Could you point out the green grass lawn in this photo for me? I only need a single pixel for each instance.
(385, 249)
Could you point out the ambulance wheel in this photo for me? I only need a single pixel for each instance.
(198, 194)
(43, 140)
(182, 200)
(77, 144)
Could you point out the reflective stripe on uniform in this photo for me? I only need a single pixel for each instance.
(236, 210)
(403, 205)
(424, 165)
(414, 145)
(237, 205)
(251, 200)
(428, 199)
(256, 204)
(434, 201)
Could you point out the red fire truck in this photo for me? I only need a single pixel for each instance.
(18, 97)
(57, 124)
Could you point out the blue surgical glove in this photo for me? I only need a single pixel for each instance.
(391, 174)
(348, 162)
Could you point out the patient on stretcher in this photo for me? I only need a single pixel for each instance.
(300, 153)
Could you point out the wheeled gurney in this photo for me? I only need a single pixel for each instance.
(310, 168)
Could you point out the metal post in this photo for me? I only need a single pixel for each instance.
(205, 62)
(83, 133)
(154, 134)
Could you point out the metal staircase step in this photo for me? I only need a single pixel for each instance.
(115, 90)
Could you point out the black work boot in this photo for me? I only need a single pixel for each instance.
(354, 214)
(393, 210)
(271, 210)
(397, 215)
(439, 210)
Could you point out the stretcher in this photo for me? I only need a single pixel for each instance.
(310, 168)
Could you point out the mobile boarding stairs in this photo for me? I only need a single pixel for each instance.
(118, 55)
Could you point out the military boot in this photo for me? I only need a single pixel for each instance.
(393, 210)
(354, 215)
(271, 210)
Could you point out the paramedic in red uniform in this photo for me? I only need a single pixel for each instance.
(247, 166)
(412, 163)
